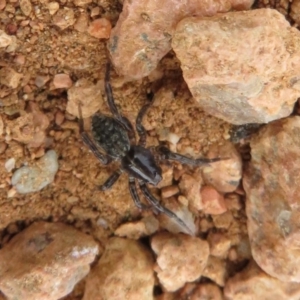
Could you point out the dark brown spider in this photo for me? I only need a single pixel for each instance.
(113, 135)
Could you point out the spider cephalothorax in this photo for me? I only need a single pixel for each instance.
(113, 136)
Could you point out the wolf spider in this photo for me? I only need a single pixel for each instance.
(113, 135)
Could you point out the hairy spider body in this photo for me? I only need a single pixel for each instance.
(114, 135)
(110, 135)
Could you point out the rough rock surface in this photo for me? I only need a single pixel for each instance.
(180, 259)
(142, 35)
(125, 271)
(45, 261)
(214, 54)
(30, 179)
(272, 203)
(253, 283)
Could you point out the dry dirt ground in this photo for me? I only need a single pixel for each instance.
(73, 198)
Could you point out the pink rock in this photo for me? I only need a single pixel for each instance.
(2, 4)
(253, 283)
(213, 201)
(9, 77)
(228, 63)
(142, 35)
(45, 261)
(224, 175)
(61, 81)
(125, 271)
(180, 259)
(272, 199)
(100, 28)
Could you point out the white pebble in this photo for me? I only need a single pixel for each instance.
(10, 164)
(30, 179)
(173, 138)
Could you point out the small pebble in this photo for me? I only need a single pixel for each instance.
(10, 164)
(41, 80)
(64, 18)
(9, 77)
(62, 81)
(26, 7)
(53, 8)
(100, 28)
(2, 4)
(5, 39)
(213, 201)
(169, 191)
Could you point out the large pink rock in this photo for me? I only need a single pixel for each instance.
(45, 261)
(271, 182)
(142, 35)
(253, 283)
(241, 66)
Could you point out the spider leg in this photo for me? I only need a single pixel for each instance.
(169, 155)
(112, 106)
(156, 204)
(134, 194)
(112, 179)
(89, 142)
(139, 127)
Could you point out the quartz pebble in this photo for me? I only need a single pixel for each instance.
(33, 178)
(124, 271)
(224, 81)
(86, 94)
(253, 283)
(272, 198)
(143, 33)
(45, 261)
(180, 259)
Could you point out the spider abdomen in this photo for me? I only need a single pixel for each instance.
(110, 135)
